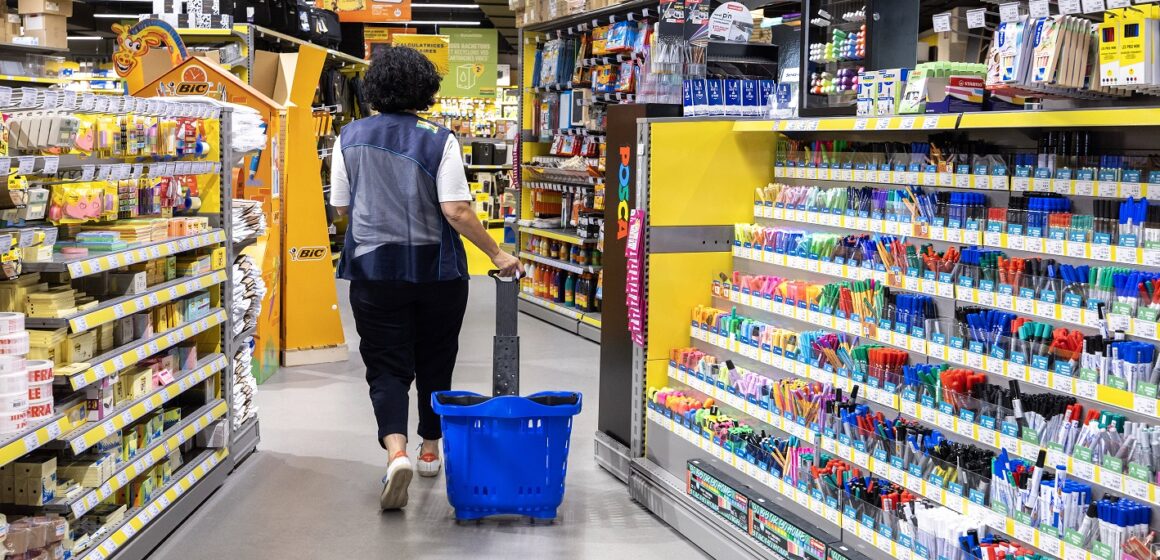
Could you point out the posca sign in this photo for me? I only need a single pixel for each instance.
(624, 173)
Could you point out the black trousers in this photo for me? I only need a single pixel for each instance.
(409, 332)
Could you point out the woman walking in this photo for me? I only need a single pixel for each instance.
(401, 180)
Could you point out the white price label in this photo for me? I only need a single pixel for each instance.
(907, 123)
(929, 123)
(1009, 12)
(1039, 8)
(1091, 6)
(882, 124)
(51, 165)
(976, 18)
(1118, 3)
(942, 22)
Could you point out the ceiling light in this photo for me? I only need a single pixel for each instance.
(447, 6)
(432, 23)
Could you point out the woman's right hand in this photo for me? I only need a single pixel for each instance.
(508, 265)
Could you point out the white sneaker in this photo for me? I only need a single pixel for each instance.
(429, 464)
(399, 474)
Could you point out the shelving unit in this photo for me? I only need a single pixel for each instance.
(200, 389)
(693, 244)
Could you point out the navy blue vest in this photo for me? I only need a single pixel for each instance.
(397, 231)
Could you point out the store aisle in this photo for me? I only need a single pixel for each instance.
(312, 489)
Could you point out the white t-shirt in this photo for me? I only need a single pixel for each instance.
(451, 181)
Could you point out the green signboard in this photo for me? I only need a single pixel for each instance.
(471, 63)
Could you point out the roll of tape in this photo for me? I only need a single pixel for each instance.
(14, 344)
(11, 322)
(13, 422)
(40, 392)
(12, 364)
(39, 371)
(14, 402)
(15, 382)
(41, 409)
(194, 204)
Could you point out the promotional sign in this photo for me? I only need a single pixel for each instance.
(435, 47)
(369, 11)
(373, 36)
(472, 60)
(731, 21)
(133, 42)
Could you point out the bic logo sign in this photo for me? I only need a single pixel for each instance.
(188, 88)
(307, 253)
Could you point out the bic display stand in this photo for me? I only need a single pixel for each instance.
(312, 327)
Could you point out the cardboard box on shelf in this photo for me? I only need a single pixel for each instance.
(45, 30)
(9, 24)
(52, 7)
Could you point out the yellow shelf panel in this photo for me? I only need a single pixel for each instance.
(755, 126)
(1078, 118)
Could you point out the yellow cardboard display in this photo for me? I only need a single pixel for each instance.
(260, 177)
(312, 327)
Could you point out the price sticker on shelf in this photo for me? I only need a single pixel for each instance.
(50, 99)
(31, 441)
(907, 123)
(882, 124)
(25, 164)
(5, 97)
(29, 97)
(1039, 8)
(51, 165)
(1092, 6)
(1009, 12)
(1144, 404)
(942, 22)
(1112, 4)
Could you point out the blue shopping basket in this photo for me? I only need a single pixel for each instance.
(506, 454)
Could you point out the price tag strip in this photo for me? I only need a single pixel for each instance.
(17, 445)
(771, 482)
(1113, 189)
(157, 295)
(146, 459)
(1075, 316)
(89, 434)
(884, 469)
(93, 265)
(143, 516)
(1114, 481)
(144, 349)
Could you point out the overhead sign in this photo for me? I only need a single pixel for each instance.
(373, 36)
(472, 63)
(369, 11)
(435, 47)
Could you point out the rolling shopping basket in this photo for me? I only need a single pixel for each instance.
(506, 454)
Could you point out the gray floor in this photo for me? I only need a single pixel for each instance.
(311, 491)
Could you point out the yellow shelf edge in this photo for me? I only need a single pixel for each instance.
(145, 461)
(32, 439)
(152, 298)
(143, 516)
(159, 342)
(89, 434)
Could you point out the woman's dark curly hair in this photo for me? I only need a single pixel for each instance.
(401, 79)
